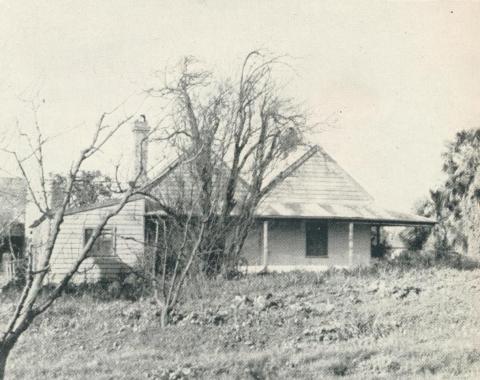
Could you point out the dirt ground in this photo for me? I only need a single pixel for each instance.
(363, 325)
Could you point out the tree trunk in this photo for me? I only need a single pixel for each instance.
(4, 352)
(473, 229)
(163, 319)
(473, 249)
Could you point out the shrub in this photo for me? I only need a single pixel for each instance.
(128, 287)
(12, 288)
(429, 259)
(339, 369)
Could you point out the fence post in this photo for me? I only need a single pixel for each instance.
(8, 267)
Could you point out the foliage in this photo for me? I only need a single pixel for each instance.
(456, 204)
(462, 187)
(127, 287)
(461, 161)
(415, 238)
(13, 194)
(90, 187)
(433, 259)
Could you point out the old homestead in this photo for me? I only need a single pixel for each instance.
(314, 216)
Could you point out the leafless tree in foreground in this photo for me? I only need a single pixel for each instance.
(230, 135)
(32, 302)
(238, 130)
(170, 264)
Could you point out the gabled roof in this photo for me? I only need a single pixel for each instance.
(179, 179)
(315, 186)
(145, 188)
(174, 180)
(315, 177)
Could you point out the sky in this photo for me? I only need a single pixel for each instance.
(389, 82)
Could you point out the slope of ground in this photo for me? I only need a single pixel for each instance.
(368, 324)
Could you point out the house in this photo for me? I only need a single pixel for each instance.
(13, 194)
(314, 216)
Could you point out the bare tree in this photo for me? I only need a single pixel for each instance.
(175, 231)
(238, 130)
(173, 251)
(229, 136)
(32, 302)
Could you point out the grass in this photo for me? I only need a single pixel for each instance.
(383, 322)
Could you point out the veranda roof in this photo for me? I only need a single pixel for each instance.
(368, 213)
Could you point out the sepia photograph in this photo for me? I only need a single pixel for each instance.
(239, 189)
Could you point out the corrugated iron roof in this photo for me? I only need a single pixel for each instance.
(102, 204)
(317, 187)
(366, 212)
(311, 185)
(286, 164)
(316, 178)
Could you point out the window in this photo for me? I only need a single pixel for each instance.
(103, 246)
(317, 239)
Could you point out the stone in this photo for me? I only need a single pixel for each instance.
(260, 302)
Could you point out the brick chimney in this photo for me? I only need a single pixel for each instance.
(140, 133)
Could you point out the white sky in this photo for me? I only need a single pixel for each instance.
(399, 78)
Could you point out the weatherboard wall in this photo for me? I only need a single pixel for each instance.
(128, 229)
(287, 245)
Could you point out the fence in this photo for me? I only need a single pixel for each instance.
(7, 267)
